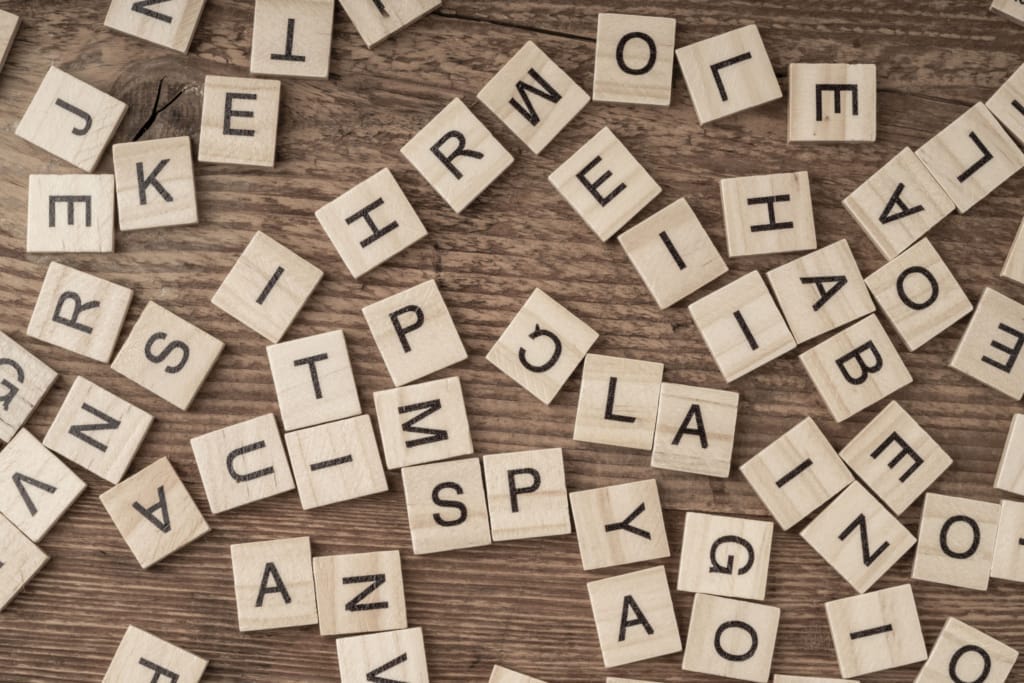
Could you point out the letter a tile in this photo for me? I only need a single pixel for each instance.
(634, 616)
(274, 585)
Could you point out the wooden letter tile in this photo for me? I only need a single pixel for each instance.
(274, 585)
(36, 488)
(142, 656)
(20, 560)
(9, 24)
(725, 556)
(634, 616)
(394, 655)
(768, 214)
(876, 631)
(695, 430)
(832, 102)
(239, 124)
(313, 380)
(618, 403)
(955, 541)
(963, 653)
(1006, 102)
(526, 494)
(633, 61)
(361, 593)
(781, 678)
(1010, 475)
(1008, 555)
(422, 423)
(613, 679)
(1011, 9)
(1013, 267)
(619, 524)
(992, 344)
(70, 213)
(24, 382)
(447, 506)
(500, 674)
(169, 25)
(731, 638)
(376, 20)
(292, 38)
(155, 183)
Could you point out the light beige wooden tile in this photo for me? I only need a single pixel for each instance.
(725, 556)
(447, 506)
(1011, 9)
(155, 183)
(24, 380)
(876, 631)
(376, 21)
(634, 616)
(673, 253)
(267, 287)
(313, 379)
(457, 155)
(955, 541)
(992, 343)
(742, 326)
(534, 97)
(71, 119)
(832, 102)
(1008, 554)
(70, 213)
(9, 24)
(239, 121)
(858, 537)
(604, 184)
(613, 679)
(422, 423)
(292, 38)
(79, 312)
(695, 430)
(1010, 475)
(415, 333)
(335, 462)
(154, 513)
(169, 25)
(526, 494)
(963, 653)
(1013, 266)
(633, 59)
(98, 430)
(360, 593)
(781, 678)
(394, 655)
(142, 656)
(618, 402)
(768, 214)
(274, 585)
(500, 674)
(168, 355)
(731, 638)
(895, 457)
(20, 561)
(1006, 102)
(242, 464)
(619, 524)
(371, 223)
(36, 488)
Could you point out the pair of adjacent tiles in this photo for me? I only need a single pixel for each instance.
(143, 656)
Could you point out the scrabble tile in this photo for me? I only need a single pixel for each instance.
(695, 430)
(613, 679)
(25, 380)
(796, 474)
(618, 403)
(20, 561)
(242, 464)
(457, 155)
(360, 593)
(781, 678)
(313, 380)
(918, 294)
(768, 214)
(742, 326)
(422, 423)
(673, 253)
(992, 344)
(1008, 555)
(1010, 475)
(70, 213)
(855, 368)
(534, 97)
(634, 616)
(1011, 9)
(98, 430)
(542, 346)
(415, 333)
(274, 585)
(79, 312)
(447, 506)
(619, 524)
(876, 631)
(371, 223)
(821, 291)
(142, 656)
(955, 541)
(9, 24)
(526, 494)
(335, 462)
(381, 19)
(633, 60)
(604, 184)
(167, 355)
(394, 655)
(731, 638)
(963, 653)
(500, 674)
(1006, 102)
(1013, 267)
(155, 183)
(971, 157)
(858, 537)
(154, 513)
(728, 73)
(725, 556)
(895, 457)
(832, 102)
(169, 25)
(36, 488)
(292, 38)
(71, 119)
(267, 287)
(239, 121)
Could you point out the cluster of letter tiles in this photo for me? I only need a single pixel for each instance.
(329, 451)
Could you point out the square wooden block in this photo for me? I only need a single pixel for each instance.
(71, 119)
(274, 585)
(781, 678)
(98, 430)
(673, 253)
(360, 593)
(955, 542)
(25, 381)
(447, 506)
(963, 653)
(154, 513)
(613, 679)
(618, 403)
(169, 25)
(9, 24)
(168, 355)
(394, 655)
(242, 464)
(422, 423)
(1010, 475)
(634, 617)
(604, 184)
(731, 638)
(79, 312)
(142, 656)
(526, 494)
(742, 326)
(725, 556)
(633, 61)
(239, 122)
(20, 561)
(876, 631)
(155, 183)
(542, 346)
(619, 524)
(313, 380)
(534, 97)
(457, 155)
(992, 343)
(1008, 554)
(832, 102)
(292, 38)
(36, 488)
(371, 223)
(768, 214)
(500, 674)
(695, 430)
(1011, 9)
(70, 213)
(1006, 102)
(728, 73)
(1013, 266)
(381, 19)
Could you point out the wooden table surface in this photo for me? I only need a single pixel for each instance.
(521, 604)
